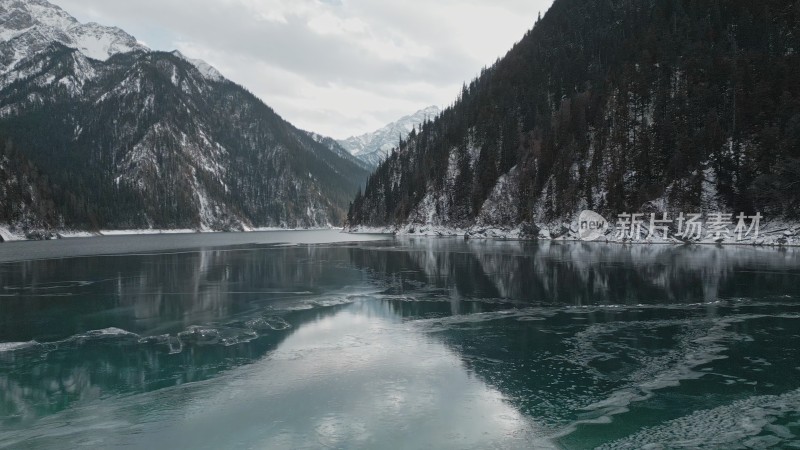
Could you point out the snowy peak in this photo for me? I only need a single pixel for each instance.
(334, 146)
(19, 16)
(29, 26)
(99, 42)
(374, 147)
(206, 69)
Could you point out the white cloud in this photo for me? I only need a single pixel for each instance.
(337, 67)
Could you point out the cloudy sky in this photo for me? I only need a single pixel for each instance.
(337, 67)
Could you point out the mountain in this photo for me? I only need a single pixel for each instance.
(98, 132)
(206, 69)
(615, 106)
(334, 146)
(30, 26)
(373, 148)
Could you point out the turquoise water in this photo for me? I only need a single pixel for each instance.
(281, 341)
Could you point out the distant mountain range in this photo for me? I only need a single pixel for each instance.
(373, 148)
(99, 132)
(334, 146)
(654, 106)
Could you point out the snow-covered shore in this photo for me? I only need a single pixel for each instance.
(770, 234)
(10, 234)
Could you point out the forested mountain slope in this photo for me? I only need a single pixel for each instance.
(144, 139)
(616, 106)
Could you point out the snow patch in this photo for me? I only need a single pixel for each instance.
(206, 70)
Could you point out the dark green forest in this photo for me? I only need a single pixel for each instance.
(614, 105)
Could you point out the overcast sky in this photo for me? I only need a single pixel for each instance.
(337, 67)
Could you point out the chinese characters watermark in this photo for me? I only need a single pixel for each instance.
(689, 227)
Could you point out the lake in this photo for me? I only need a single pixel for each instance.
(325, 340)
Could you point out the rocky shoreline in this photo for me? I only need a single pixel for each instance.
(771, 234)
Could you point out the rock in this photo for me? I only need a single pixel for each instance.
(573, 227)
(38, 235)
(560, 232)
(529, 231)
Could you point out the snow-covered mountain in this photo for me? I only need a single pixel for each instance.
(334, 146)
(373, 148)
(30, 26)
(99, 132)
(206, 69)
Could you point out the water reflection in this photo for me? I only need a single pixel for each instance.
(351, 376)
(584, 273)
(355, 345)
(161, 293)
